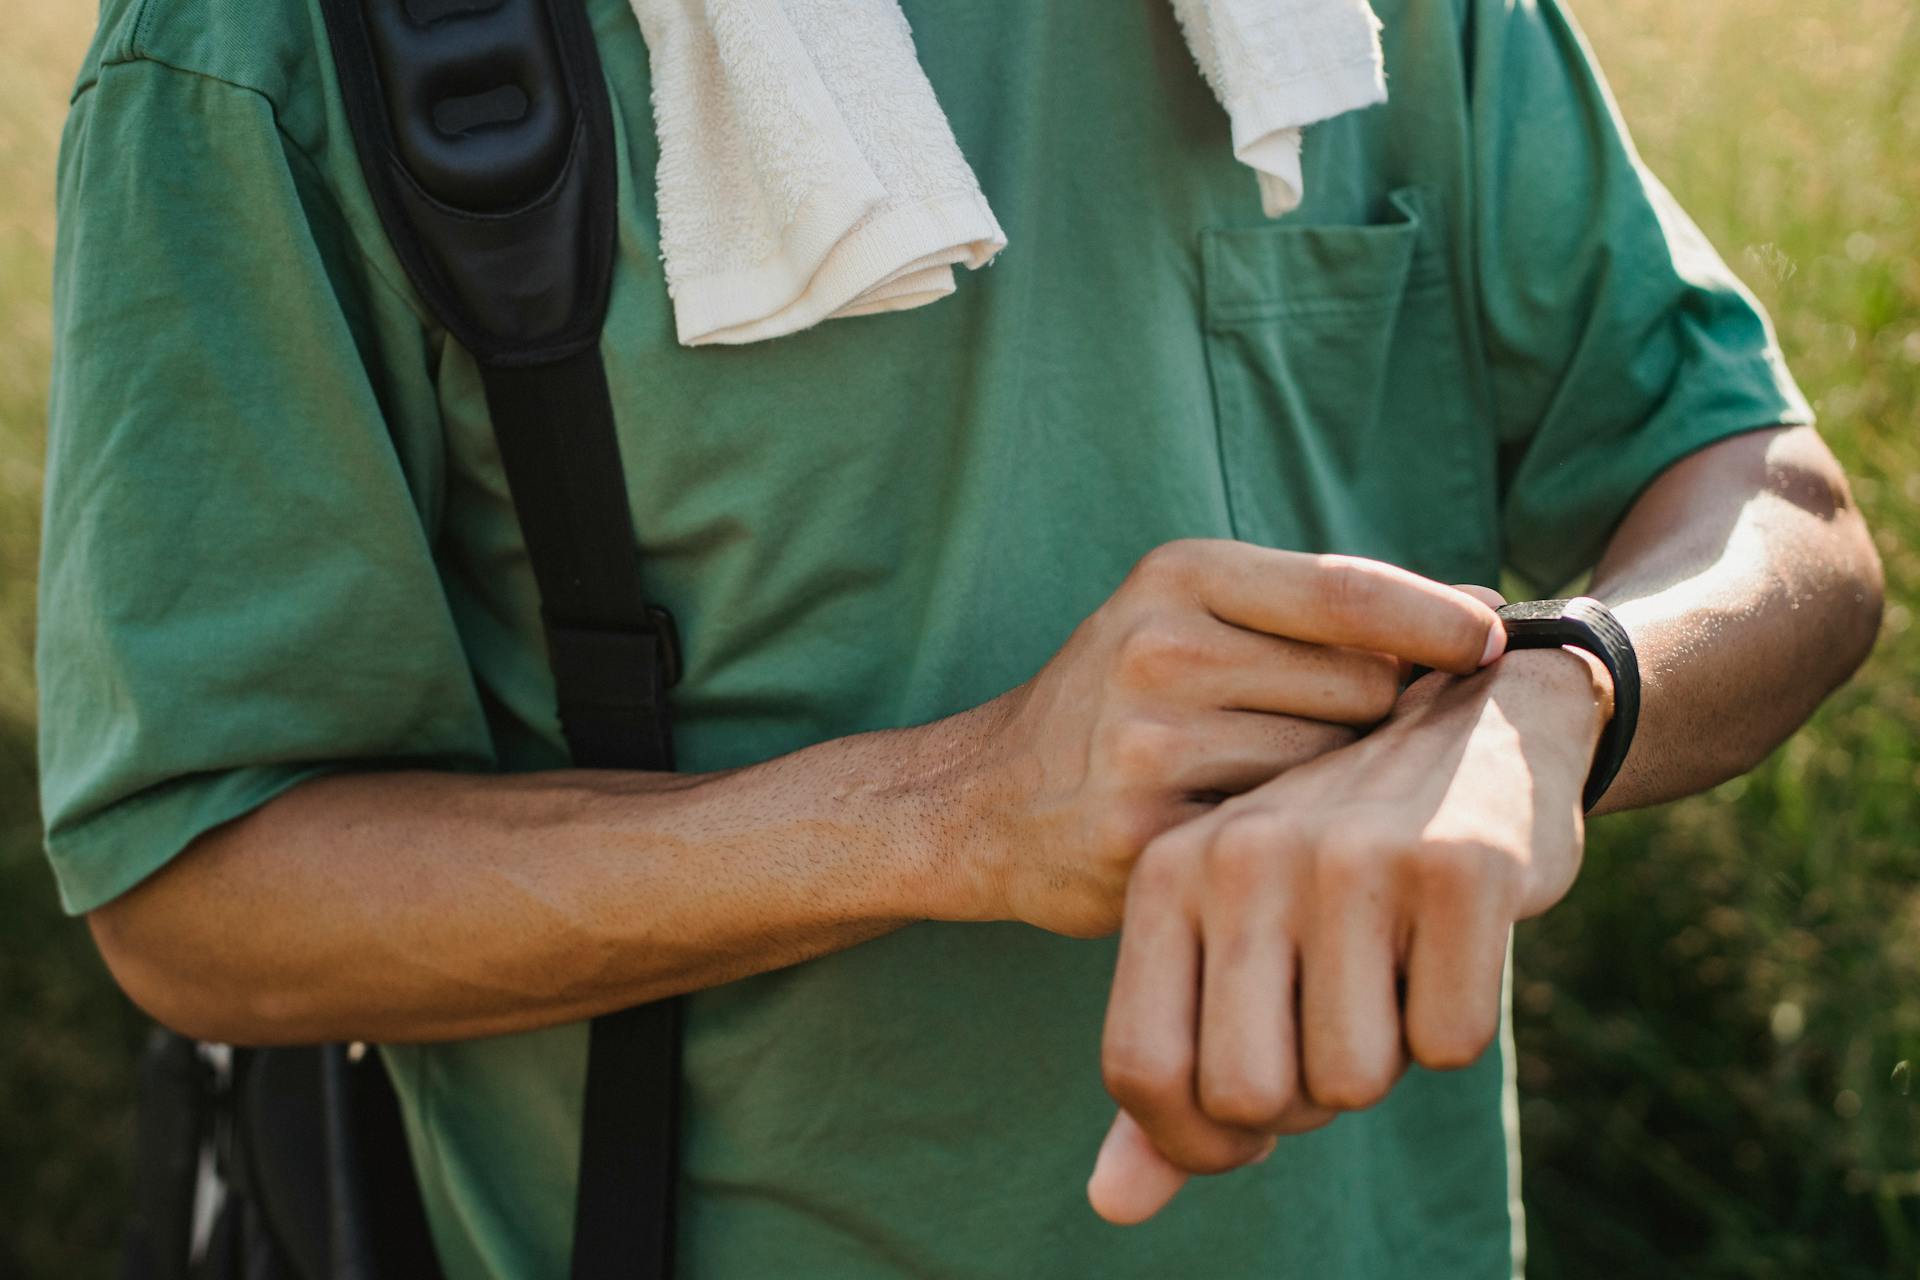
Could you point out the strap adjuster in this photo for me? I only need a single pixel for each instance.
(666, 634)
(622, 670)
(612, 691)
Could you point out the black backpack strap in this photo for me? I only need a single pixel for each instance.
(486, 137)
(613, 655)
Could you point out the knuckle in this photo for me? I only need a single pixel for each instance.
(1138, 1076)
(1351, 1085)
(1303, 1116)
(1241, 852)
(1308, 1120)
(1158, 652)
(1144, 750)
(1167, 565)
(1351, 861)
(1460, 868)
(1376, 688)
(1160, 870)
(1451, 1047)
(1441, 862)
(1238, 1101)
(1349, 589)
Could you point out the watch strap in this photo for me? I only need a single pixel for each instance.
(1585, 623)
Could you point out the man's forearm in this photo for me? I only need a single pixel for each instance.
(1751, 589)
(417, 906)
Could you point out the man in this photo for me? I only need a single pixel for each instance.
(290, 648)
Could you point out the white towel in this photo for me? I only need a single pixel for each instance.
(807, 171)
(1278, 66)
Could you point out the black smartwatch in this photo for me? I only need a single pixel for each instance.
(1586, 624)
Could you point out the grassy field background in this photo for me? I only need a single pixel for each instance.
(1718, 1030)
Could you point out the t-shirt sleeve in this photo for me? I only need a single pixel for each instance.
(238, 588)
(1618, 340)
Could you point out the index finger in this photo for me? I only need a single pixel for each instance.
(1351, 602)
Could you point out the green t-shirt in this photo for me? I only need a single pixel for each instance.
(278, 542)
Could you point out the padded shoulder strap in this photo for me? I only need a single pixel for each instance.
(486, 137)
(487, 141)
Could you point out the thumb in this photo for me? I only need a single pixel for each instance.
(1485, 595)
(1131, 1180)
(1496, 643)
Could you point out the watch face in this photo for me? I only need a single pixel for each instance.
(1532, 610)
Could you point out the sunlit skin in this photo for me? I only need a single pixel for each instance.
(1195, 768)
(1286, 957)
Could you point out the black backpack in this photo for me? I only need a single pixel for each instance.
(486, 138)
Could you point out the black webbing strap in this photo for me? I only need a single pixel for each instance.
(612, 654)
(486, 137)
(613, 657)
(623, 1219)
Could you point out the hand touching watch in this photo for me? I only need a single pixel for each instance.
(1284, 958)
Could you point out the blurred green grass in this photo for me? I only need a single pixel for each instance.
(1716, 1028)
(66, 1037)
(1715, 1031)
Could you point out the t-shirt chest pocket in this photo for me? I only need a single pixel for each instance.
(1351, 417)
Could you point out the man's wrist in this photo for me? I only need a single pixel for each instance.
(1563, 695)
(1563, 686)
(1557, 700)
(1584, 623)
(1582, 678)
(943, 792)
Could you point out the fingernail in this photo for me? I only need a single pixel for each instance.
(1273, 1145)
(1496, 643)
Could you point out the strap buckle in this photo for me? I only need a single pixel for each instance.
(624, 668)
(666, 635)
